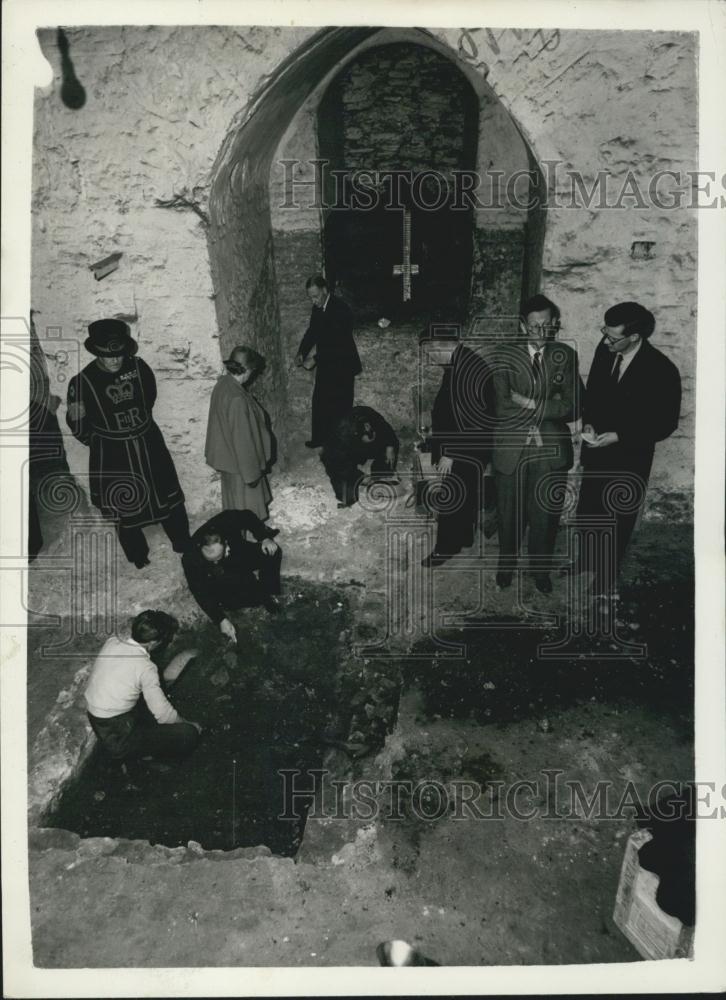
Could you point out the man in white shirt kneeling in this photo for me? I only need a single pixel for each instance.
(122, 673)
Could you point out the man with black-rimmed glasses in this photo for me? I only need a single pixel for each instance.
(633, 400)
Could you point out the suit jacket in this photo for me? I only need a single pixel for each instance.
(462, 416)
(385, 436)
(559, 404)
(209, 582)
(238, 434)
(346, 446)
(331, 334)
(642, 408)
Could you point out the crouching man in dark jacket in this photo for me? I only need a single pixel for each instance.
(225, 571)
(360, 436)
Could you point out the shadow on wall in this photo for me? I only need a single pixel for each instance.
(53, 492)
(240, 233)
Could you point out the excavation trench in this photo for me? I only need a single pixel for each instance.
(294, 687)
(273, 704)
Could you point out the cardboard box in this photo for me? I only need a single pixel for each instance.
(653, 933)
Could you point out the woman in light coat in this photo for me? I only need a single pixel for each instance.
(240, 443)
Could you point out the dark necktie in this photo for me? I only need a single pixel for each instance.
(537, 372)
(615, 373)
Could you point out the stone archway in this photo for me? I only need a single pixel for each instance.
(405, 115)
(260, 255)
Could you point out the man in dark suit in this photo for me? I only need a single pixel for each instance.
(361, 436)
(633, 400)
(537, 390)
(462, 423)
(220, 566)
(336, 359)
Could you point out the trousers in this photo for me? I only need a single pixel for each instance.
(457, 522)
(526, 500)
(137, 734)
(345, 474)
(606, 557)
(332, 399)
(133, 541)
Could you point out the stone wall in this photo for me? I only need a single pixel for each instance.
(321, 130)
(400, 107)
(160, 102)
(190, 119)
(298, 248)
(639, 115)
(403, 106)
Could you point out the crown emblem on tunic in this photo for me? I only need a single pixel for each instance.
(120, 393)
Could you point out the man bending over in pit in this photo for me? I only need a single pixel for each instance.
(360, 436)
(127, 724)
(226, 571)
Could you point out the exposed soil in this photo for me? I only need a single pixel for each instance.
(264, 706)
(495, 892)
(505, 679)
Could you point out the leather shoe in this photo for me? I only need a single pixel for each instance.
(543, 583)
(140, 563)
(434, 559)
(504, 580)
(313, 444)
(491, 525)
(272, 604)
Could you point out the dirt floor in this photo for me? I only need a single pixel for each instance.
(522, 875)
(466, 891)
(264, 705)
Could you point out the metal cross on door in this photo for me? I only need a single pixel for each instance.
(406, 269)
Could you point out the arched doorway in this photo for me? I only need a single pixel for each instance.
(263, 246)
(403, 118)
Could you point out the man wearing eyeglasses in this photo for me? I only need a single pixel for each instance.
(537, 391)
(633, 400)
